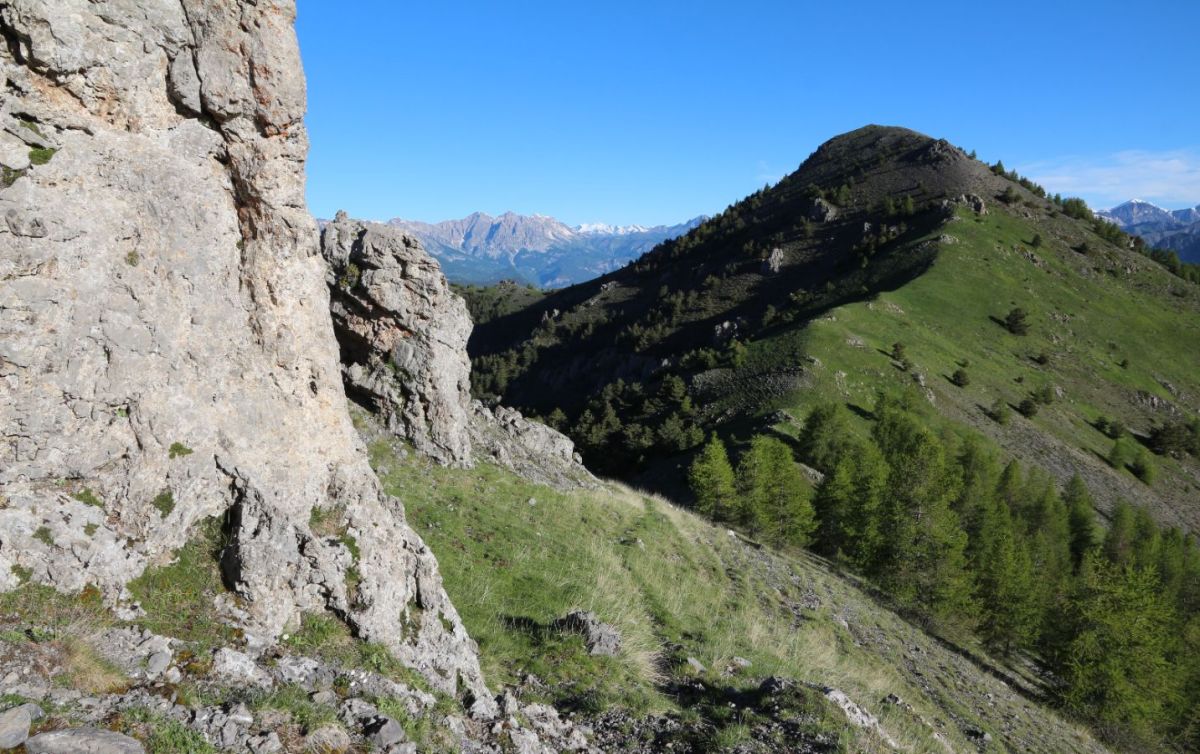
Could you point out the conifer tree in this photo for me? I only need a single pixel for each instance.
(711, 479)
(1082, 519)
(977, 489)
(771, 488)
(1115, 667)
(1010, 612)
(924, 558)
(1119, 540)
(824, 438)
(847, 505)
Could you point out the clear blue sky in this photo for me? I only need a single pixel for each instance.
(654, 112)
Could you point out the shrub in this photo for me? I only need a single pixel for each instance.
(898, 352)
(961, 378)
(1037, 241)
(87, 497)
(38, 156)
(1016, 321)
(1028, 408)
(1000, 412)
(164, 502)
(178, 450)
(1143, 467)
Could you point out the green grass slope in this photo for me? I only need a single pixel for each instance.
(516, 556)
(1112, 335)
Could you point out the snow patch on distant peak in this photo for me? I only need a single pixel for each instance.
(610, 230)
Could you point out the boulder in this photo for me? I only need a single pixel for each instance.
(774, 262)
(383, 732)
(14, 724)
(600, 638)
(821, 211)
(83, 741)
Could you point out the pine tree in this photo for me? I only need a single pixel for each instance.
(771, 486)
(1118, 542)
(1017, 321)
(977, 489)
(1082, 519)
(824, 438)
(711, 479)
(847, 506)
(1115, 667)
(1008, 597)
(924, 556)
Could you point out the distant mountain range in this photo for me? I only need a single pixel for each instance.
(534, 248)
(1162, 228)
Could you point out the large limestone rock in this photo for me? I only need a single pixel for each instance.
(403, 335)
(165, 331)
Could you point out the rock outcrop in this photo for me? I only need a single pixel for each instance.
(403, 335)
(166, 353)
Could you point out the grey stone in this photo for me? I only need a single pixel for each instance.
(83, 741)
(14, 724)
(774, 262)
(238, 669)
(403, 334)
(265, 743)
(600, 638)
(696, 665)
(821, 211)
(384, 732)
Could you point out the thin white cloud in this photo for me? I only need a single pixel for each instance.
(1170, 179)
(766, 174)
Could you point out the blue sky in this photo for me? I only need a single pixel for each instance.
(654, 112)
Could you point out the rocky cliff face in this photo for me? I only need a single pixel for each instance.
(166, 352)
(403, 335)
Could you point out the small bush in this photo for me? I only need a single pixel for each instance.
(1000, 412)
(1016, 321)
(1042, 358)
(350, 277)
(87, 497)
(1143, 467)
(178, 450)
(164, 502)
(42, 534)
(961, 378)
(1028, 408)
(39, 156)
(1037, 241)
(1043, 395)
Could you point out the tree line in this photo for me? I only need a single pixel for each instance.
(968, 545)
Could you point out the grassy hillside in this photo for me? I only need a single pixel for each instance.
(516, 556)
(878, 243)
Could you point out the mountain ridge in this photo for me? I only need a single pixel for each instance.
(1176, 230)
(537, 249)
